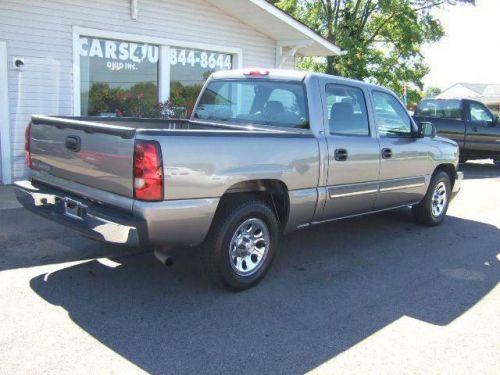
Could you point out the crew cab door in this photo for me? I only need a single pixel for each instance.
(404, 163)
(482, 131)
(354, 152)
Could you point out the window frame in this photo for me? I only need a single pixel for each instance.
(327, 120)
(164, 45)
(484, 107)
(277, 80)
(445, 118)
(412, 126)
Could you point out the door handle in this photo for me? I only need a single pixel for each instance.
(386, 153)
(340, 154)
(73, 143)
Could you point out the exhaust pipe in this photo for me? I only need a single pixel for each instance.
(161, 253)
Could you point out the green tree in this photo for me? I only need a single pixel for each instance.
(382, 39)
(432, 91)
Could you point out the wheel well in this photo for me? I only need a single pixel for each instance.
(449, 169)
(272, 192)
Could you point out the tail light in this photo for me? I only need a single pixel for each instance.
(27, 153)
(148, 171)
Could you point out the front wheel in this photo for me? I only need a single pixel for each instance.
(432, 209)
(242, 244)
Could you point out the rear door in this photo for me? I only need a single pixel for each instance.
(354, 152)
(483, 134)
(404, 162)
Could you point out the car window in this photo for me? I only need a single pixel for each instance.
(346, 108)
(448, 109)
(478, 113)
(256, 101)
(392, 119)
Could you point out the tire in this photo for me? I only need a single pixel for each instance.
(432, 209)
(237, 259)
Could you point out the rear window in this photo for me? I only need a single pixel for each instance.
(449, 109)
(256, 101)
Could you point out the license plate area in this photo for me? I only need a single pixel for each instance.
(74, 209)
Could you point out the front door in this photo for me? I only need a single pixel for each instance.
(354, 153)
(483, 134)
(404, 160)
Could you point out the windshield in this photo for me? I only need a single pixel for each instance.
(255, 101)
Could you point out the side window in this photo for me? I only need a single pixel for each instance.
(448, 109)
(347, 113)
(392, 119)
(478, 113)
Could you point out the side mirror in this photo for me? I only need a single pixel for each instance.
(426, 129)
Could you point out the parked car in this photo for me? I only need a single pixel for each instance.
(468, 122)
(265, 153)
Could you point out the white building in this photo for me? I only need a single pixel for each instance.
(85, 57)
(489, 94)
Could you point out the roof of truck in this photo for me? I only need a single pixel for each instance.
(289, 75)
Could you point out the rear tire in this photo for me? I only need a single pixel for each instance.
(241, 244)
(432, 209)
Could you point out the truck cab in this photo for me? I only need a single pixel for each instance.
(468, 122)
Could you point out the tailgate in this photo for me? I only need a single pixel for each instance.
(91, 154)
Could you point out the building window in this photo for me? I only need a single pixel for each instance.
(189, 69)
(128, 75)
(118, 78)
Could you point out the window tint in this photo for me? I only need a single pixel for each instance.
(255, 101)
(346, 110)
(392, 119)
(449, 109)
(478, 113)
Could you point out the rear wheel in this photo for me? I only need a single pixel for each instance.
(242, 244)
(432, 209)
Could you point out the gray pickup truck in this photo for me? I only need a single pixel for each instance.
(265, 153)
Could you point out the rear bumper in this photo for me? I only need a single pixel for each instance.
(102, 223)
(173, 223)
(458, 183)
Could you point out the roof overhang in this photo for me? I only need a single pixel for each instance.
(279, 26)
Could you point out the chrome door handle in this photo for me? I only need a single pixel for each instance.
(386, 153)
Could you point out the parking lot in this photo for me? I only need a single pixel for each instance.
(376, 294)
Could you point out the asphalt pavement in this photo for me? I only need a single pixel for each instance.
(376, 294)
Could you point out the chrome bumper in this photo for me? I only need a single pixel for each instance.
(88, 218)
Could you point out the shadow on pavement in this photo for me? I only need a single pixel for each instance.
(27, 240)
(475, 171)
(330, 287)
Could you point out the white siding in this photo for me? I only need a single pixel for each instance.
(40, 32)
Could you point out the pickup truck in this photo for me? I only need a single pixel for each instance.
(265, 152)
(468, 122)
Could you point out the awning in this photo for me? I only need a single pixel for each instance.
(276, 24)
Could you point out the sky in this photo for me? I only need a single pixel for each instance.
(470, 50)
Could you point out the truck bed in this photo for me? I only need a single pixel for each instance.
(98, 152)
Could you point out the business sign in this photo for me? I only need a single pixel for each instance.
(119, 55)
(202, 59)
